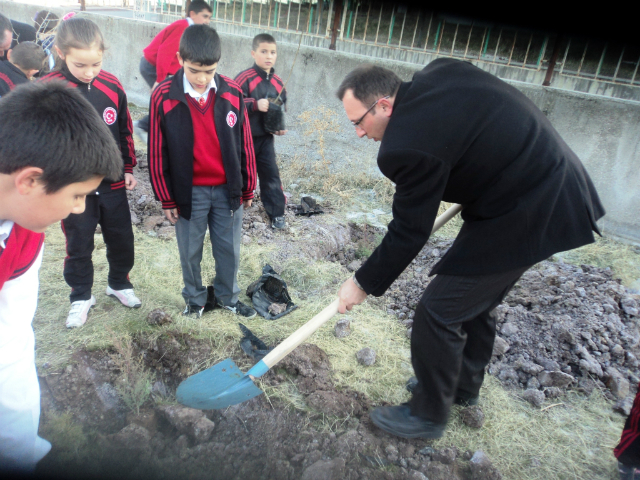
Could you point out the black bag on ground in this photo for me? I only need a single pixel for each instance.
(274, 117)
(269, 295)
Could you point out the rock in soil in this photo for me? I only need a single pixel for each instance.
(366, 356)
(343, 327)
(473, 416)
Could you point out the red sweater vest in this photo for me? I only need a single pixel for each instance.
(208, 169)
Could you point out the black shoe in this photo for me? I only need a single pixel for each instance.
(278, 223)
(193, 311)
(459, 400)
(399, 421)
(240, 309)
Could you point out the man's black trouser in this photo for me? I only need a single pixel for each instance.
(111, 211)
(452, 339)
(271, 192)
(148, 72)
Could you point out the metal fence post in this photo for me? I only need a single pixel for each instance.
(552, 61)
(336, 23)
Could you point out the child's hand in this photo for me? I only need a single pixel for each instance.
(172, 215)
(129, 181)
(280, 132)
(247, 203)
(263, 105)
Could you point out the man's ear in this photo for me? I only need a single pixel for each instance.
(386, 105)
(27, 179)
(31, 73)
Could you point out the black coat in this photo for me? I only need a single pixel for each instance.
(459, 134)
(10, 77)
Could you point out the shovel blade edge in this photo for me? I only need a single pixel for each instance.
(217, 387)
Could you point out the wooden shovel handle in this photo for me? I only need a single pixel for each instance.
(306, 330)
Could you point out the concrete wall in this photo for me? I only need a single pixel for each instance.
(604, 132)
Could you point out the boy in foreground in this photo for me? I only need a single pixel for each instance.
(259, 83)
(23, 62)
(159, 59)
(54, 150)
(202, 167)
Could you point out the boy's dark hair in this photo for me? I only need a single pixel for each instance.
(262, 38)
(45, 21)
(200, 44)
(28, 56)
(369, 83)
(53, 127)
(196, 6)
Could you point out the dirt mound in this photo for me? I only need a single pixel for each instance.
(256, 439)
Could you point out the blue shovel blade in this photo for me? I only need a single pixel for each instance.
(217, 387)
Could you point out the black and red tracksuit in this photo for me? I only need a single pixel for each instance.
(171, 143)
(109, 206)
(10, 76)
(257, 84)
(628, 450)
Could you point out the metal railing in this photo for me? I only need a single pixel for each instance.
(393, 26)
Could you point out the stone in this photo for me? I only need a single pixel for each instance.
(509, 329)
(325, 470)
(166, 231)
(160, 389)
(277, 308)
(366, 356)
(554, 379)
(552, 392)
(342, 328)
(134, 218)
(533, 383)
(150, 223)
(624, 406)
(246, 239)
(500, 346)
(188, 421)
(473, 416)
(446, 455)
(589, 363)
(158, 317)
(615, 382)
(481, 467)
(534, 397)
(629, 306)
(354, 266)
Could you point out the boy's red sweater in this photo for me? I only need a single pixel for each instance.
(161, 52)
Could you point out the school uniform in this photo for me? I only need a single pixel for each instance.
(201, 162)
(257, 84)
(20, 258)
(10, 76)
(109, 206)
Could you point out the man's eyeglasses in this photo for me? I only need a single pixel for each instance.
(357, 122)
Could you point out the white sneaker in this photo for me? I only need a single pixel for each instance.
(78, 313)
(126, 297)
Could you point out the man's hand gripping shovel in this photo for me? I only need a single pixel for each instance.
(224, 384)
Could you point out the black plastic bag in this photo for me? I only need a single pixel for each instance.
(269, 295)
(274, 117)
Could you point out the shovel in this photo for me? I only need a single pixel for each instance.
(224, 384)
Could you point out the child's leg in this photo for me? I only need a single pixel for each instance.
(225, 230)
(271, 192)
(115, 220)
(190, 236)
(78, 268)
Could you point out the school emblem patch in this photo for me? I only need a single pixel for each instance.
(232, 119)
(109, 115)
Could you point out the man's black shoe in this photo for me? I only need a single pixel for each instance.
(459, 400)
(399, 421)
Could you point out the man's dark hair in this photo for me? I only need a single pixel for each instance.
(5, 24)
(28, 56)
(200, 44)
(53, 127)
(196, 6)
(369, 83)
(261, 38)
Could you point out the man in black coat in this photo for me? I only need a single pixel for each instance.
(458, 134)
